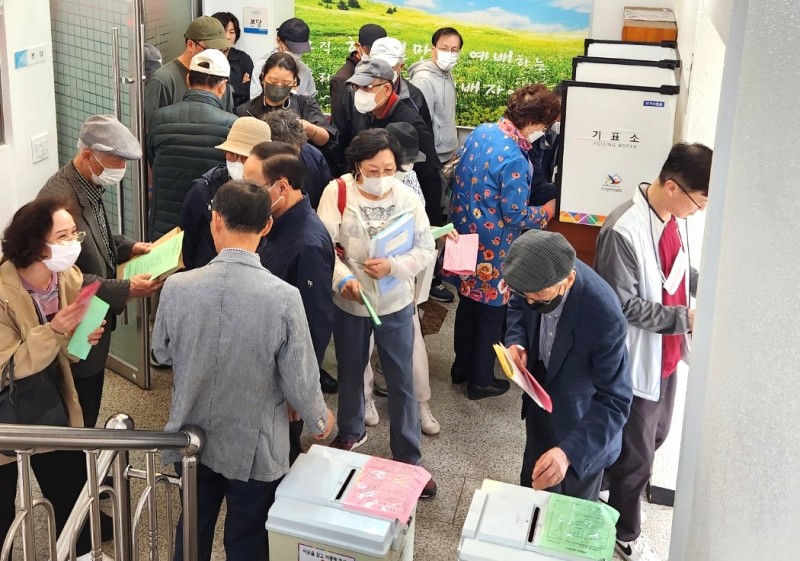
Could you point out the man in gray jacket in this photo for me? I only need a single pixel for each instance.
(241, 353)
(104, 147)
(433, 77)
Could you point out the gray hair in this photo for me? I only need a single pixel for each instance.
(286, 127)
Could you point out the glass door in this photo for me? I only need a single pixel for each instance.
(98, 48)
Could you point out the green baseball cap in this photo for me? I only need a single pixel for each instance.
(209, 30)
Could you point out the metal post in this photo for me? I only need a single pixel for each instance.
(26, 504)
(152, 506)
(94, 503)
(122, 488)
(190, 520)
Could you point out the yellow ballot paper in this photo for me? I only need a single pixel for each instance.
(79, 346)
(165, 258)
(523, 378)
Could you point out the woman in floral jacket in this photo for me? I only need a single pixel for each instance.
(490, 198)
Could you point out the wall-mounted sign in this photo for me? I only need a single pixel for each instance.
(254, 20)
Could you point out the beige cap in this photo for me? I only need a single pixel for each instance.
(245, 133)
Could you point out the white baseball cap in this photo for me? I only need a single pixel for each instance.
(211, 61)
(389, 49)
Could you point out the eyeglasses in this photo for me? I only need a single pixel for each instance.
(371, 86)
(76, 237)
(685, 192)
(533, 301)
(454, 50)
(377, 174)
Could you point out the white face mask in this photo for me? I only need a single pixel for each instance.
(377, 186)
(446, 60)
(235, 170)
(278, 200)
(364, 101)
(556, 128)
(110, 176)
(534, 136)
(63, 256)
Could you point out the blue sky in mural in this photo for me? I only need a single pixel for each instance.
(546, 16)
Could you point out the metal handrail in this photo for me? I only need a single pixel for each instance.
(106, 450)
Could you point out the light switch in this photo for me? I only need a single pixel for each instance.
(39, 148)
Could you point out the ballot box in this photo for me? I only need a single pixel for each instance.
(515, 523)
(323, 510)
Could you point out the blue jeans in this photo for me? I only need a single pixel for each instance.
(394, 340)
(248, 504)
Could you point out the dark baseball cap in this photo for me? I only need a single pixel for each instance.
(295, 32)
(369, 33)
(210, 31)
(366, 72)
(407, 136)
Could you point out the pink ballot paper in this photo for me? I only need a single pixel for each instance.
(386, 489)
(523, 379)
(461, 257)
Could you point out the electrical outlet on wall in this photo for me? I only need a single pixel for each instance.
(39, 149)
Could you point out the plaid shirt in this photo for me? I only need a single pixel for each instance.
(95, 194)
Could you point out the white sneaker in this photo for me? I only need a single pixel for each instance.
(371, 417)
(88, 557)
(637, 550)
(604, 496)
(430, 425)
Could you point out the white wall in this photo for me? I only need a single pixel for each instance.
(607, 16)
(28, 104)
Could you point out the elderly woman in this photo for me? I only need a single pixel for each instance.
(355, 209)
(490, 198)
(39, 285)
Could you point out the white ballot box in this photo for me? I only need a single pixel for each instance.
(310, 522)
(515, 523)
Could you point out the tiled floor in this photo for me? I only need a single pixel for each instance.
(479, 439)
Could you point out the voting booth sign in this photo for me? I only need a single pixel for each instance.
(614, 138)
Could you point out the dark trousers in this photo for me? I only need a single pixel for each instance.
(61, 476)
(539, 439)
(477, 327)
(248, 503)
(295, 446)
(90, 394)
(644, 433)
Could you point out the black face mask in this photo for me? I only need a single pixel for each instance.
(546, 307)
(275, 93)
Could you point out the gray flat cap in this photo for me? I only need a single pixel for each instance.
(538, 260)
(104, 133)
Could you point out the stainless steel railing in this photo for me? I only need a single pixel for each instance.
(106, 450)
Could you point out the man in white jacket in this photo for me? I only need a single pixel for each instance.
(433, 77)
(643, 254)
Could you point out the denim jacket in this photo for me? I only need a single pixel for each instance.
(240, 349)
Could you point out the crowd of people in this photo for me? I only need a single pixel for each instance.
(279, 206)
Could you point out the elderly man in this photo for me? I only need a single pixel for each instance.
(393, 52)
(240, 388)
(104, 147)
(167, 85)
(565, 325)
(183, 138)
(195, 217)
(367, 35)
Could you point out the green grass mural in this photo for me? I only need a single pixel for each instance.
(493, 63)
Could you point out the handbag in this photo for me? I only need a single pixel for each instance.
(33, 400)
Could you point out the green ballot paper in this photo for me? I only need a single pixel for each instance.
(79, 344)
(578, 528)
(375, 319)
(442, 231)
(162, 258)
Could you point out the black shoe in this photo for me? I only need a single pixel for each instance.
(440, 293)
(458, 375)
(498, 387)
(327, 382)
(429, 491)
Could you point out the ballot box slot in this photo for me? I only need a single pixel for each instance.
(534, 521)
(345, 484)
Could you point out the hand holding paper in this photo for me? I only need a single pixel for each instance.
(461, 256)
(523, 378)
(79, 346)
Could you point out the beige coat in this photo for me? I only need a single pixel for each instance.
(32, 345)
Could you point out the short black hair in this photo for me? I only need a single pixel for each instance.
(281, 60)
(204, 80)
(244, 206)
(225, 18)
(689, 165)
(280, 159)
(444, 32)
(285, 126)
(25, 237)
(368, 143)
